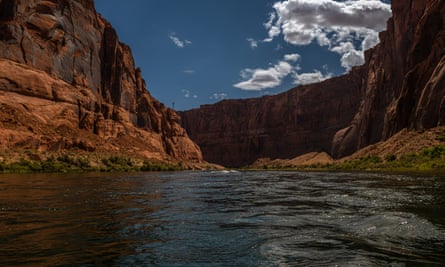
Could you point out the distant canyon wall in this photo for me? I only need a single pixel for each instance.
(305, 119)
(401, 85)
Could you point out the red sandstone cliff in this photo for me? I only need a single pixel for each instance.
(67, 82)
(401, 85)
(405, 77)
(305, 119)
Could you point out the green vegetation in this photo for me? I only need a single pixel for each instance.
(69, 163)
(429, 159)
(116, 163)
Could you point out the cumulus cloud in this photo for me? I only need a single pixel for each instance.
(178, 42)
(218, 96)
(253, 43)
(188, 94)
(260, 79)
(292, 57)
(340, 25)
(370, 39)
(311, 77)
(273, 30)
(352, 58)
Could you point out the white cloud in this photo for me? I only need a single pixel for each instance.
(292, 57)
(343, 47)
(218, 96)
(253, 43)
(336, 24)
(189, 71)
(258, 79)
(310, 77)
(270, 22)
(188, 94)
(178, 42)
(273, 30)
(352, 58)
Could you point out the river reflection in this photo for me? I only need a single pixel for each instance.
(222, 219)
(73, 218)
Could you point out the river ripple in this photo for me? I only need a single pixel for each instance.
(222, 219)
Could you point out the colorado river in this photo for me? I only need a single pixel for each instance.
(222, 219)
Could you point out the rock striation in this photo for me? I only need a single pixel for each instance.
(401, 86)
(66, 81)
(404, 79)
(305, 119)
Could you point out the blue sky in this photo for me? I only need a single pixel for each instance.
(195, 52)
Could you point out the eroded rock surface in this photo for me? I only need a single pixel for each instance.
(66, 81)
(404, 78)
(304, 119)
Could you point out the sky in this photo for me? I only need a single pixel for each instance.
(195, 52)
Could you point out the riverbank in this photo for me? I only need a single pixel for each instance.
(426, 160)
(65, 162)
(406, 151)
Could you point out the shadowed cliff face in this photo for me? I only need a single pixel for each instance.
(401, 85)
(405, 77)
(305, 119)
(63, 52)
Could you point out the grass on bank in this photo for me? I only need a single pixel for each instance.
(429, 159)
(68, 163)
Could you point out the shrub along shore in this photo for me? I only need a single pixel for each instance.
(428, 159)
(64, 163)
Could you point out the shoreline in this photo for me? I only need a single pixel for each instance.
(71, 162)
(430, 159)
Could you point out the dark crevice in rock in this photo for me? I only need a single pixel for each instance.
(22, 47)
(7, 10)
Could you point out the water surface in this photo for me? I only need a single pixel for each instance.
(222, 219)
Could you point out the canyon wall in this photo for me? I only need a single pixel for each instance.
(67, 82)
(237, 132)
(401, 85)
(405, 77)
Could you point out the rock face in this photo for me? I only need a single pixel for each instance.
(404, 78)
(237, 132)
(401, 85)
(66, 81)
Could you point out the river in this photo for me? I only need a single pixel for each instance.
(222, 219)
